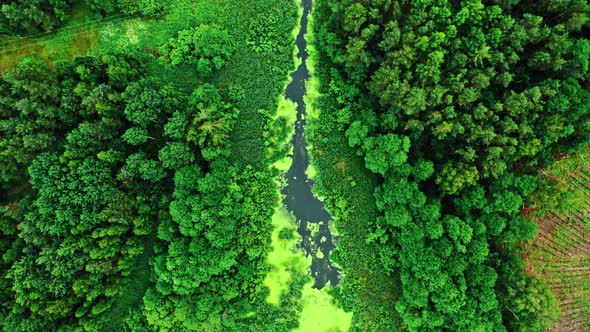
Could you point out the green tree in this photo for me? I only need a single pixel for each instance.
(207, 46)
(30, 16)
(176, 155)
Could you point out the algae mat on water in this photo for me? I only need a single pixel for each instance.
(285, 258)
(319, 313)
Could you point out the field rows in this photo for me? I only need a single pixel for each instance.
(560, 253)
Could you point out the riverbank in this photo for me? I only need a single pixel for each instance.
(313, 219)
(347, 187)
(301, 224)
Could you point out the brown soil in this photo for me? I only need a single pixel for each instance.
(560, 253)
(560, 256)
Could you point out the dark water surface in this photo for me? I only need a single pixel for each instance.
(298, 196)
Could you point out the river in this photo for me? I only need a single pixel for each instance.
(312, 217)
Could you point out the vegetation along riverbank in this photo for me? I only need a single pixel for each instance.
(294, 165)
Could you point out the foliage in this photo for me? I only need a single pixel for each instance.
(34, 16)
(30, 16)
(119, 187)
(206, 46)
(532, 305)
(455, 106)
(143, 7)
(79, 232)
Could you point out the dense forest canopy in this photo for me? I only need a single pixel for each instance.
(138, 187)
(455, 105)
(123, 205)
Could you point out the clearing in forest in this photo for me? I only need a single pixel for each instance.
(560, 253)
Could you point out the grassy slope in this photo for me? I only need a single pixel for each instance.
(560, 253)
(348, 190)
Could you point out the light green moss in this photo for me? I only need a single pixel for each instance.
(297, 60)
(319, 313)
(285, 107)
(288, 109)
(284, 164)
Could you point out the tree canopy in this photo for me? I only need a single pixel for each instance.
(455, 105)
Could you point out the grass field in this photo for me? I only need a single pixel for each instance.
(560, 253)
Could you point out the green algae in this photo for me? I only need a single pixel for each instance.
(287, 262)
(285, 258)
(319, 254)
(320, 314)
(311, 171)
(314, 228)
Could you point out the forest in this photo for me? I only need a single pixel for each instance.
(143, 147)
(130, 201)
(455, 107)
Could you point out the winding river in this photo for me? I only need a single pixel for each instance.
(312, 217)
